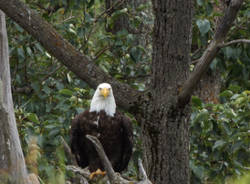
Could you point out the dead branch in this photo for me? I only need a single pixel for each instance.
(113, 177)
(145, 179)
(211, 51)
(84, 172)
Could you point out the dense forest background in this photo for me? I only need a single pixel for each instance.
(119, 40)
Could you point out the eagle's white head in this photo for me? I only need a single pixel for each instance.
(103, 99)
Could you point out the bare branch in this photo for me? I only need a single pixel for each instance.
(114, 178)
(210, 52)
(24, 90)
(83, 172)
(142, 170)
(61, 49)
(109, 10)
(145, 179)
(107, 165)
(100, 52)
(234, 42)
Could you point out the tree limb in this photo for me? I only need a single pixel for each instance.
(61, 49)
(234, 42)
(210, 52)
(114, 178)
(84, 172)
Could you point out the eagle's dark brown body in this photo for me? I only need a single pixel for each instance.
(115, 134)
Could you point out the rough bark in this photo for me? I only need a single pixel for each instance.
(12, 165)
(164, 123)
(65, 52)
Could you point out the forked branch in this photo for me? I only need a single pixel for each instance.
(234, 42)
(210, 52)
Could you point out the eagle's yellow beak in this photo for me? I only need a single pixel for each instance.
(105, 92)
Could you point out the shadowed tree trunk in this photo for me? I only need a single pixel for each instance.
(164, 123)
(12, 165)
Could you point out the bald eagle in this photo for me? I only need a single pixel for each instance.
(112, 128)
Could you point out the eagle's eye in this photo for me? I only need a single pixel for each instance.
(100, 89)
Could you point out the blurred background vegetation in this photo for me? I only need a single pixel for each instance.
(47, 95)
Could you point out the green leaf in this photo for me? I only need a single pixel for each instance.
(35, 86)
(198, 170)
(226, 93)
(203, 25)
(218, 144)
(29, 51)
(236, 146)
(39, 47)
(200, 2)
(54, 132)
(33, 117)
(91, 3)
(20, 53)
(214, 64)
(196, 101)
(118, 13)
(46, 89)
(66, 92)
(202, 116)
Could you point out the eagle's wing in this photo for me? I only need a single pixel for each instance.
(127, 131)
(77, 140)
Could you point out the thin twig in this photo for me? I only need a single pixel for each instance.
(51, 73)
(234, 42)
(100, 52)
(102, 15)
(105, 12)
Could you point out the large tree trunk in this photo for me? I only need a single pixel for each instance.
(164, 123)
(12, 165)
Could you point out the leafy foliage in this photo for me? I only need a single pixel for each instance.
(220, 137)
